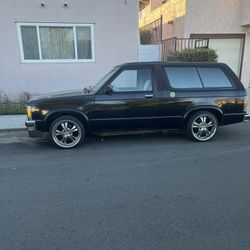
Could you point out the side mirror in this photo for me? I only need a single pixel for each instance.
(109, 90)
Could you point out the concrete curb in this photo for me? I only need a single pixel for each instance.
(247, 117)
(12, 130)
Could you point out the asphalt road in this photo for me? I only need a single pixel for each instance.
(127, 192)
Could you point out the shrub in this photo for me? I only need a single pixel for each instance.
(13, 106)
(194, 55)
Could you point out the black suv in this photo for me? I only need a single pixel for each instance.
(197, 97)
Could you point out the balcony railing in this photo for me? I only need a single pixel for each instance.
(178, 44)
(151, 33)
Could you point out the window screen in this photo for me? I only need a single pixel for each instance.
(84, 46)
(183, 77)
(214, 77)
(30, 43)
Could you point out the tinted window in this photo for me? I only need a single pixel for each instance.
(133, 80)
(183, 77)
(214, 77)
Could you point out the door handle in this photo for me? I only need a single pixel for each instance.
(149, 96)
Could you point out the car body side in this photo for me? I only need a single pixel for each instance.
(162, 108)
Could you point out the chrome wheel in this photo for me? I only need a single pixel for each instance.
(204, 127)
(66, 133)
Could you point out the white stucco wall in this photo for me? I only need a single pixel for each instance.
(245, 15)
(116, 40)
(213, 16)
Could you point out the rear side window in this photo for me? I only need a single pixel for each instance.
(193, 78)
(214, 77)
(183, 77)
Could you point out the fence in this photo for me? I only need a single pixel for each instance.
(178, 44)
(151, 33)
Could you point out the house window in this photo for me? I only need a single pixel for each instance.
(47, 42)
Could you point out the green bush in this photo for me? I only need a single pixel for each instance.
(13, 106)
(194, 55)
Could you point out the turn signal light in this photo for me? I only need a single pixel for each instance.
(29, 112)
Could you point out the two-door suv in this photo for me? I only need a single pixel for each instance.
(195, 97)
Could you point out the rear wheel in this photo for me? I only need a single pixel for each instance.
(202, 126)
(67, 132)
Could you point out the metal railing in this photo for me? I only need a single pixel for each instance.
(151, 33)
(178, 44)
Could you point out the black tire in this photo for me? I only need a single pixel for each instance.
(66, 132)
(202, 126)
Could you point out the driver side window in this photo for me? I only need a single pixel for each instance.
(133, 80)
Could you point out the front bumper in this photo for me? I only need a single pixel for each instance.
(32, 129)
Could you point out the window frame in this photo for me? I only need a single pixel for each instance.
(119, 71)
(137, 91)
(220, 87)
(70, 25)
(203, 88)
(132, 91)
(193, 67)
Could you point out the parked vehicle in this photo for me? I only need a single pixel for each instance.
(195, 97)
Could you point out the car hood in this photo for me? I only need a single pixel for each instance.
(56, 95)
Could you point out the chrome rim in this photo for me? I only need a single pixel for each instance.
(204, 127)
(66, 133)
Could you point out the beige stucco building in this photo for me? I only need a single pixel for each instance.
(225, 23)
(54, 45)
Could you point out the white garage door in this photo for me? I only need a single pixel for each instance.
(229, 52)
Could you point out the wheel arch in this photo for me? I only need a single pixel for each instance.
(214, 110)
(62, 112)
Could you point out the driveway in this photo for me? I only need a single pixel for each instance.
(127, 192)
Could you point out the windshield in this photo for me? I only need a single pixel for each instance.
(100, 83)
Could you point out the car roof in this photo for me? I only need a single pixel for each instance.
(172, 63)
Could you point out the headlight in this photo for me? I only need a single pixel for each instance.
(30, 110)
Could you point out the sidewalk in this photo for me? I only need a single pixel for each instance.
(12, 122)
(16, 122)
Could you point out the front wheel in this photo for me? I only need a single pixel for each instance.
(66, 132)
(202, 126)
